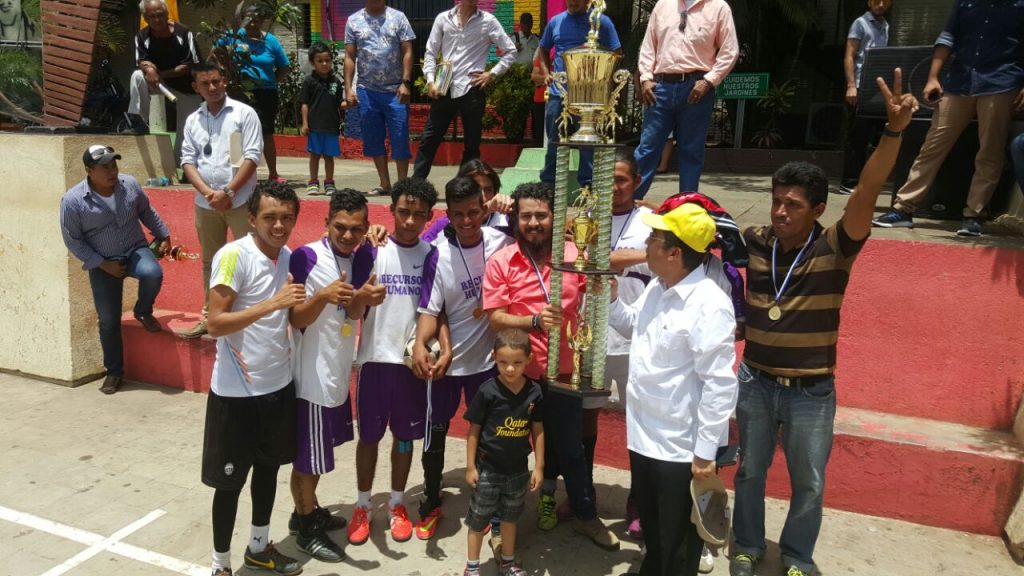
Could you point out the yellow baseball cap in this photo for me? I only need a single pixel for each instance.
(688, 222)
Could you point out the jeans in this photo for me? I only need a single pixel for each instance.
(586, 172)
(107, 293)
(563, 433)
(690, 122)
(471, 107)
(1017, 152)
(661, 491)
(805, 416)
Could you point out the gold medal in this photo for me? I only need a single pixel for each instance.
(346, 330)
(775, 312)
(478, 313)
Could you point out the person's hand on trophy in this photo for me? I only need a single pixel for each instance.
(163, 248)
(551, 317)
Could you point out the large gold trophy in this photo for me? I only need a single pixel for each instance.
(590, 86)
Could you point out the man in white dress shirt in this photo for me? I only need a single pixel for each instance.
(462, 36)
(681, 385)
(221, 190)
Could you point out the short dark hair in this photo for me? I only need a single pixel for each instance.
(513, 338)
(278, 190)
(805, 175)
(534, 191)
(478, 166)
(526, 17)
(626, 156)
(204, 67)
(461, 188)
(319, 48)
(691, 258)
(347, 200)
(418, 188)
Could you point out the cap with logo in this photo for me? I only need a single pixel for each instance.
(99, 154)
(688, 222)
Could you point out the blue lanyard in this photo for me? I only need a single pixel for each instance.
(785, 281)
(540, 277)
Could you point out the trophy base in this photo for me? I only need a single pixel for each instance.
(581, 145)
(571, 267)
(584, 390)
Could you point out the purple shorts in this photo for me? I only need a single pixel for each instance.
(390, 394)
(318, 430)
(444, 394)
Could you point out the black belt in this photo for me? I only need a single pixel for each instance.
(677, 78)
(802, 382)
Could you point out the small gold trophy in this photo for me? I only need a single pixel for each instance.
(175, 253)
(584, 227)
(579, 343)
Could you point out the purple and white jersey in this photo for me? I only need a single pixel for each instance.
(629, 232)
(324, 349)
(435, 233)
(400, 269)
(454, 283)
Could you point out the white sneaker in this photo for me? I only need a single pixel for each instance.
(707, 561)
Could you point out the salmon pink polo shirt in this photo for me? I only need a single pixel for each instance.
(510, 282)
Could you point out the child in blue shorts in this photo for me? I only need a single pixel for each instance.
(503, 416)
(322, 97)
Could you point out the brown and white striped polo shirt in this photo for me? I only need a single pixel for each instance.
(803, 341)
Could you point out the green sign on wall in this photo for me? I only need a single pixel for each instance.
(743, 86)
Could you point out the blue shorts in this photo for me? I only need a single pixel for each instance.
(323, 144)
(379, 111)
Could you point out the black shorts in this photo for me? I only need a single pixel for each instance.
(243, 431)
(266, 102)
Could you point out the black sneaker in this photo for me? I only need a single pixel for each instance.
(321, 547)
(894, 219)
(271, 559)
(136, 125)
(328, 521)
(742, 565)
(970, 227)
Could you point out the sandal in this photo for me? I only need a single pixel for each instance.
(378, 191)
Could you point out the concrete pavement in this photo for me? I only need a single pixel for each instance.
(109, 485)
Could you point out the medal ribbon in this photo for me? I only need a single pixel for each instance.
(540, 277)
(785, 281)
(477, 290)
(337, 266)
(625, 226)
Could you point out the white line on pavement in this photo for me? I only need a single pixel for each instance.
(97, 543)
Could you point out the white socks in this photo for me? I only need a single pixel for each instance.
(221, 560)
(258, 538)
(397, 497)
(363, 501)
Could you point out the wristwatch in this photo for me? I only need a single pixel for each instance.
(230, 193)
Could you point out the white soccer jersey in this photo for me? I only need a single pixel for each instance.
(453, 282)
(629, 232)
(256, 360)
(325, 349)
(387, 327)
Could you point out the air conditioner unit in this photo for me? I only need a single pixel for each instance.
(825, 122)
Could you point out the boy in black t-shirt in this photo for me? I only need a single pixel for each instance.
(322, 97)
(503, 416)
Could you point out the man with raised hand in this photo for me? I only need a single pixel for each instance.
(796, 281)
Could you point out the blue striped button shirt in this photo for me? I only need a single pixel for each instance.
(93, 233)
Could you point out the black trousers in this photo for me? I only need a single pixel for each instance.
(471, 107)
(662, 493)
(537, 113)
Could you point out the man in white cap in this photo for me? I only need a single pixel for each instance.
(99, 220)
(681, 389)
